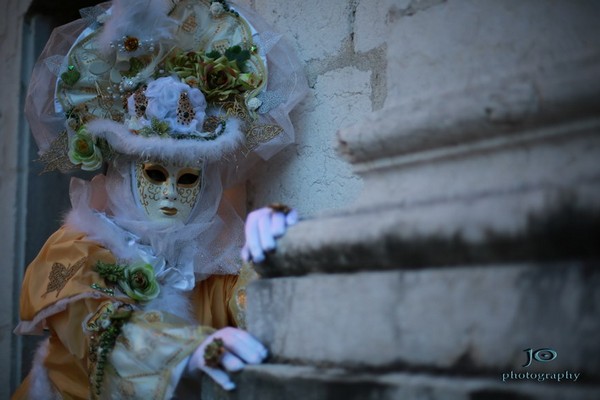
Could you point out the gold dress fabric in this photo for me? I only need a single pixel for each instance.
(57, 297)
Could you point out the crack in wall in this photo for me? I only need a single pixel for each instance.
(413, 7)
(353, 8)
(373, 60)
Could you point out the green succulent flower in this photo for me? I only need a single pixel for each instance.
(83, 151)
(219, 76)
(139, 282)
(219, 79)
(248, 81)
(235, 53)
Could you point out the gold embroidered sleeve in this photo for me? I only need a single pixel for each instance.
(63, 269)
(57, 295)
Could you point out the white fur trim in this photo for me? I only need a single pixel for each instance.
(172, 301)
(91, 224)
(40, 386)
(192, 150)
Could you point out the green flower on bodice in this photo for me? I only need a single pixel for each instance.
(140, 283)
(136, 280)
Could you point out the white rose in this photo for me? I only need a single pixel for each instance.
(163, 96)
(163, 100)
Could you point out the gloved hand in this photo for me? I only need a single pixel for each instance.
(229, 350)
(263, 227)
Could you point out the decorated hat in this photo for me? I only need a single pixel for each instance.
(187, 80)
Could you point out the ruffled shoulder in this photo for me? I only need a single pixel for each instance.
(62, 272)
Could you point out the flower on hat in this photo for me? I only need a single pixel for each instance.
(219, 76)
(83, 151)
(164, 98)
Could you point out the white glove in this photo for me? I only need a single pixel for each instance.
(239, 348)
(263, 226)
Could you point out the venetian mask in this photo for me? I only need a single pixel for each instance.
(167, 191)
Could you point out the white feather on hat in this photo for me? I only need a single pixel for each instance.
(141, 19)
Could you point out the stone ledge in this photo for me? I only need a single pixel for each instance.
(394, 237)
(565, 91)
(473, 203)
(472, 319)
(277, 382)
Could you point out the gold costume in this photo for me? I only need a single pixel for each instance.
(172, 103)
(57, 296)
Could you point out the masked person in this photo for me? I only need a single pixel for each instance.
(143, 286)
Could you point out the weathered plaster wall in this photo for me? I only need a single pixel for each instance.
(345, 63)
(360, 56)
(429, 54)
(468, 239)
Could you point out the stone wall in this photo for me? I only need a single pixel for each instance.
(346, 70)
(473, 235)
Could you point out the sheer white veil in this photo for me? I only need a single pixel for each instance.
(107, 211)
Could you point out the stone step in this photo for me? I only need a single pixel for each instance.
(532, 195)
(287, 382)
(390, 238)
(467, 320)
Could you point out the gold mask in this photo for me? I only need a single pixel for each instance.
(167, 191)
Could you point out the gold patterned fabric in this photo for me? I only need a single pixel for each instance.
(57, 295)
(256, 133)
(60, 275)
(56, 158)
(63, 268)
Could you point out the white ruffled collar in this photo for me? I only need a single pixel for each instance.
(178, 274)
(180, 254)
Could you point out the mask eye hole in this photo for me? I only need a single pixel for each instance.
(155, 173)
(188, 178)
